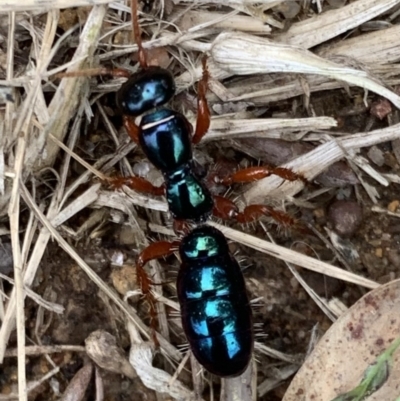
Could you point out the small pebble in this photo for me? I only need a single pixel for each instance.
(345, 217)
(379, 252)
(117, 258)
(319, 213)
(301, 334)
(124, 279)
(381, 108)
(376, 155)
(127, 235)
(5, 390)
(392, 206)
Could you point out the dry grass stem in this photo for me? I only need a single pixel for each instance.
(31, 386)
(378, 209)
(221, 21)
(271, 383)
(45, 349)
(122, 201)
(51, 306)
(227, 128)
(377, 47)
(242, 387)
(313, 163)
(70, 92)
(77, 158)
(330, 24)
(14, 215)
(322, 304)
(45, 5)
(273, 353)
(296, 258)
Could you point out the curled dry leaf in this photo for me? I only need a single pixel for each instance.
(141, 358)
(102, 348)
(242, 54)
(358, 355)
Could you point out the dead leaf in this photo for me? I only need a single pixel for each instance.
(348, 351)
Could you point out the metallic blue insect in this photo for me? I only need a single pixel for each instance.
(215, 310)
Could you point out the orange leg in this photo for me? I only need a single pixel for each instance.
(253, 212)
(137, 183)
(153, 251)
(157, 250)
(131, 128)
(256, 173)
(226, 209)
(181, 227)
(203, 112)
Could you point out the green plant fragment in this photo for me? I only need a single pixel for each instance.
(374, 376)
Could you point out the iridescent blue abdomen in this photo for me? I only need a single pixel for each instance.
(215, 310)
(166, 139)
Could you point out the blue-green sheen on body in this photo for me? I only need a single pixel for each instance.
(188, 198)
(215, 310)
(145, 90)
(166, 139)
(203, 244)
